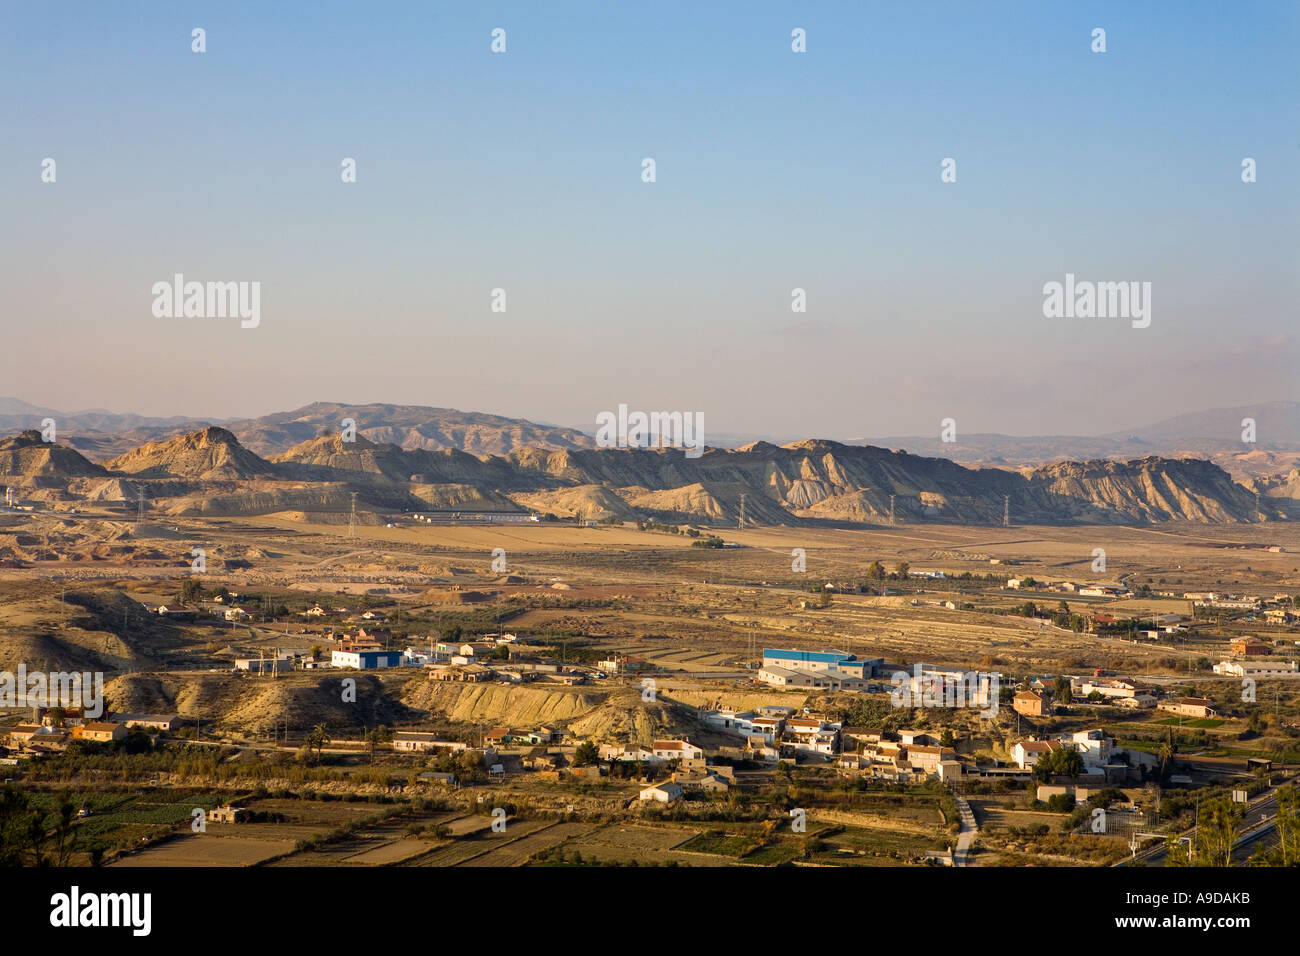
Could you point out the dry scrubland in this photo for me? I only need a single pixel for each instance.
(700, 616)
(698, 611)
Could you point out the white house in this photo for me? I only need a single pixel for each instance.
(1094, 745)
(411, 741)
(667, 792)
(676, 750)
(745, 723)
(167, 722)
(1110, 688)
(1255, 668)
(414, 657)
(628, 753)
(1026, 753)
(1136, 702)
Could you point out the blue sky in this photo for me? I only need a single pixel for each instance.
(775, 170)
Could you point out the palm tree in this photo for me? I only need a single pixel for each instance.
(377, 736)
(1167, 751)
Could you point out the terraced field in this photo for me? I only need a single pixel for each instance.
(517, 852)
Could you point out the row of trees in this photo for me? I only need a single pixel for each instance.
(1218, 827)
(1218, 824)
(876, 571)
(30, 837)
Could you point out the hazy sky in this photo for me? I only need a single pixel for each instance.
(775, 170)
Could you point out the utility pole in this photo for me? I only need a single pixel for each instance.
(741, 525)
(139, 515)
(352, 519)
(891, 511)
(1006, 511)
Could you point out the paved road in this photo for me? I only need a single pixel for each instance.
(1257, 830)
(1256, 825)
(969, 829)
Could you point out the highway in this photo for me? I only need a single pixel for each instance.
(1257, 825)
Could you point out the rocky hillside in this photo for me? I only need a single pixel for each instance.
(806, 480)
(1283, 490)
(1150, 489)
(27, 456)
(413, 427)
(212, 454)
(828, 480)
(330, 458)
(210, 472)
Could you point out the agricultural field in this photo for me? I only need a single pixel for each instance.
(696, 619)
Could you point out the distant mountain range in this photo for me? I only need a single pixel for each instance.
(1192, 467)
(209, 472)
(103, 435)
(1214, 434)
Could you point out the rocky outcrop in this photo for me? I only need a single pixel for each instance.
(211, 454)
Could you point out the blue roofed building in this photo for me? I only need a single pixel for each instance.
(366, 660)
(791, 668)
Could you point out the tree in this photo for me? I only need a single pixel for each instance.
(377, 736)
(469, 766)
(1287, 821)
(946, 739)
(317, 739)
(1178, 852)
(586, 754)
(64, 838)
(1069, 762)
(15, 825)
(876, 571)
(901, 569)
(191, 590)
(1064, 693)
(1167, 750)
(1217, 829)
(1288, 825)
(1066, 762)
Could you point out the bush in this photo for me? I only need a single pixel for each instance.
(1060, 803)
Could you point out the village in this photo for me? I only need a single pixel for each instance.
(961, 713)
